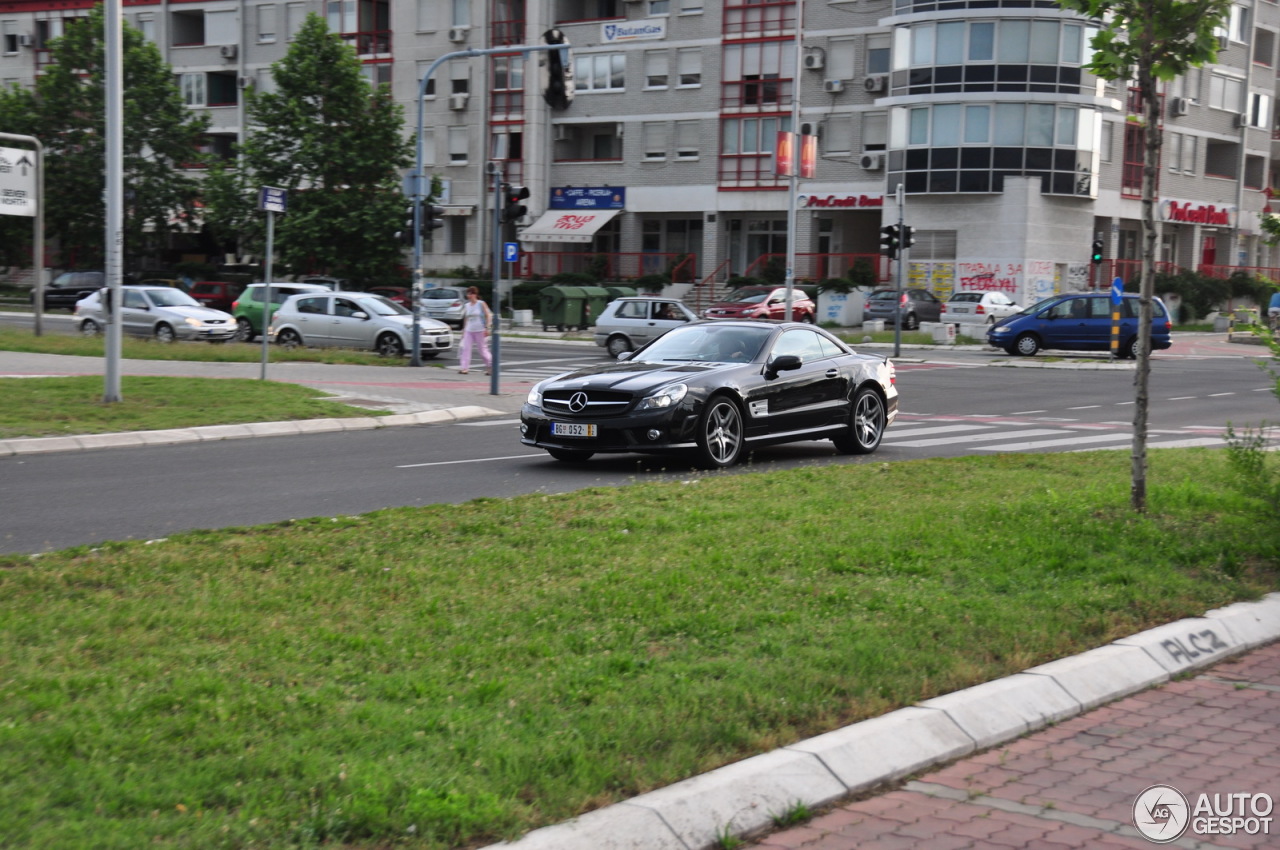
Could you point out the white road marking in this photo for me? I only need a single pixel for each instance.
(1066, 441)
(931, 429)
(978, 438)
(473, 460)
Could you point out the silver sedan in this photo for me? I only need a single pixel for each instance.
(355, 320)
(162, 312)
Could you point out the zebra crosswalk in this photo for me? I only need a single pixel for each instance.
(1028, 436)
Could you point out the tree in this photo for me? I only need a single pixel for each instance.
(337, 146)
(1149, 40)
(161, 135)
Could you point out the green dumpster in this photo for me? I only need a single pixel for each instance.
(598, 298)
(561, 306)
(621, 292)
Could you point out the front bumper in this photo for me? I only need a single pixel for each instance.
(630, 432)
(215, 333)
(436, 342)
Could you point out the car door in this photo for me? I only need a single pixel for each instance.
(663, 316)
(135, 313)
(311, 317)
(632, 319)
(814, 395)
(928, 307)
(1064, 324)
(351, 324)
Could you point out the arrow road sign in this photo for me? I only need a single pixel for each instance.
(17, 182)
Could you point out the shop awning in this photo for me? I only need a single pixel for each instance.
(566, 226)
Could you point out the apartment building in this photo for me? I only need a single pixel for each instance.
(1012, 158)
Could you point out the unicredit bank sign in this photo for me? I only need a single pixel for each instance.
(1192, 212)
(837, 202)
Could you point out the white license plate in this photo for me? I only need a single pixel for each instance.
(572, 429)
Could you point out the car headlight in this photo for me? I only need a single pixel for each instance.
(195, 323)
(1000, 330)
(535, 396)
(665, 397)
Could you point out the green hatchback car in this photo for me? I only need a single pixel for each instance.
(248, 307)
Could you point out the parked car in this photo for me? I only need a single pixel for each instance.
(67, 288)
(763, 302)
(625, 324)
(162, 312)
(917, 305)
(355, 320)
(445, 304)
(977, 308)
(1079, 322)
(717, 389)
(401, 295)
(218, 294)
(247, 308)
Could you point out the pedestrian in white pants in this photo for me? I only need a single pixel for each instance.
(476, 319)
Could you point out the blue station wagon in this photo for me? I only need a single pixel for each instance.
(1079, 322)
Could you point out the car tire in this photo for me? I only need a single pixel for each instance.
(389, 345)
(617, 346)
(910, 322)
(867, 422)
(90, 328)
(1131, 350)
(244, 330)
(1026, 345)
(720, 434)
(430, 355)
(164, 333)
(806, 318)
(288, 339)
(570, 455)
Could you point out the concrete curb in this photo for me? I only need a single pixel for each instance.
(744, 797)
(120, 439)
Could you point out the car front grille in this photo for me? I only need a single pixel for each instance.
(598, 402)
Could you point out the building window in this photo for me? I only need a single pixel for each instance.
(266, 23)
(294, 16)
(9, 34)
(431, 82)
(841, 53)
(265, 82)
(376, 73)
(758, 74)
(875, 131)
(878, 49)
(147, 26)
(459, 77)
(587, 10)
(459, 141)
(508, 85)
(428, 147)
(655, 69)
(1260, 110)
(1264, 47)
(341, 15)
(457, 227)
(750, 17)
(655, 140)
(659, 7)
(746, 150)
(1226, 92)
(193, 89)
(1190, 149)
(462, 13)
(1131, 173)
(686, 140)
(689, 61)
(691, 7)
(600, 72)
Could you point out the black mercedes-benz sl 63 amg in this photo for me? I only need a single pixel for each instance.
(717, 390)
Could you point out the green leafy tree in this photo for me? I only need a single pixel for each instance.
(1149, 41)
(17, 117)
(337, 146)
(160, 133)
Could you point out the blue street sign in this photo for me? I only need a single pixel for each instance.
(1117, 291)
(510, 252)
(271, 199)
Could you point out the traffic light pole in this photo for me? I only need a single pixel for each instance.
(418, 196)
(897, 319)
(495, 337)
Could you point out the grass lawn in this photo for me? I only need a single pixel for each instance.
(446, 676)
(135, 348)
(45, 407)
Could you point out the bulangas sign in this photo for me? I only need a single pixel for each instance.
(17, 182)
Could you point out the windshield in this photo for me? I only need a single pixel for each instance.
(749, 296)
(441, 294)
(1039, 305)
(171, 298)
(707, 344)
(883, 295)
(376, 305)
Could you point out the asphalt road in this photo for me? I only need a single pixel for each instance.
(955, 407)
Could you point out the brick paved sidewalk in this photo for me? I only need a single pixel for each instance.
(1074, 785)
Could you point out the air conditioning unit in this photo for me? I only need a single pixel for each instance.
(25, 40)
(811, 128)
(1240, 119)
(458, 101)
(1223, 42)
(814, 61)
(875, 83)
(244, 81)
(229, 51)
(871, 161)
(1179, 106)
(561, 132)
(458, 34)
(833, 86)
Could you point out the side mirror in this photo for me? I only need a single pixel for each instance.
(781, 363)
(359, 314)
(626, 355)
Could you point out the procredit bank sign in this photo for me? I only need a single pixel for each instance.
(839, 202)
(1190, 212)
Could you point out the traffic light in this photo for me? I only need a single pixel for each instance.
(1097, 252)
(557, 71)
(908, 236)
(512, 209)
(431, 219)
(889, 240)
(405, 234)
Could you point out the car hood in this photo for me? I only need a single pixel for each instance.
(204, 314)
(635, 377)
(423, 322)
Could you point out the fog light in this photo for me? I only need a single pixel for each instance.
(524, 429)
(653, 434)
